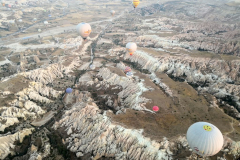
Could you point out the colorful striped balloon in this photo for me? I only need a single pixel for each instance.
(127, 69)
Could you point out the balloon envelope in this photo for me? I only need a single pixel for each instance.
(69, 90)
(155, 108)
(84, 29)
(131, 47)
(112, 12)
(136, 3)
(204, 138)
(129, 74)
(92, 66)
(127, 69)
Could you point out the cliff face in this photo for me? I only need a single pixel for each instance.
(131, 91)
(47, 75)
(216, 77)
(7, 141)
(24, 106)
(90, 131)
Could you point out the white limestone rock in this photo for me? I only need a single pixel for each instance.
(131, 92)
(7, 142)
(95, 133)
(218, 80)
(45, 75)
(33, 107)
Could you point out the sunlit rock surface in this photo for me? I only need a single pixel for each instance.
(7, 141)
(46, 75)
(90, 131)
(131, 92)
(24, 106)
(195, 71)
(108, 114)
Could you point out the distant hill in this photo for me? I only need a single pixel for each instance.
(234, 3)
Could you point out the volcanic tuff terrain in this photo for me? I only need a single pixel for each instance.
(187, 63)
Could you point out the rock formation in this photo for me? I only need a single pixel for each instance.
(7, 141)
(90, 131)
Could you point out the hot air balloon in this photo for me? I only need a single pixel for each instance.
(131, 47)
(135, 3)
(69, 90)
(12, 21)
(3, 4)
(129, 74)
(204, 138)
(84, 29)
(45, 22)
(20, 20)
(39, 30)
(127, 69)
(155, 108)
(92, 66)
(112, 12)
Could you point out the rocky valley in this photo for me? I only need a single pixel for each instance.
(187, 63)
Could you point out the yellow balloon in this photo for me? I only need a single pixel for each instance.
(136, 3)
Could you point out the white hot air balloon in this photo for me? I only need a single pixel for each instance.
(131, 47)
(12, 21)
(34, 19)
(129, 74)
(92, 66)
(45, 22)
(39, 30)
(204, 138)
(112, 12)
(84, 29)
